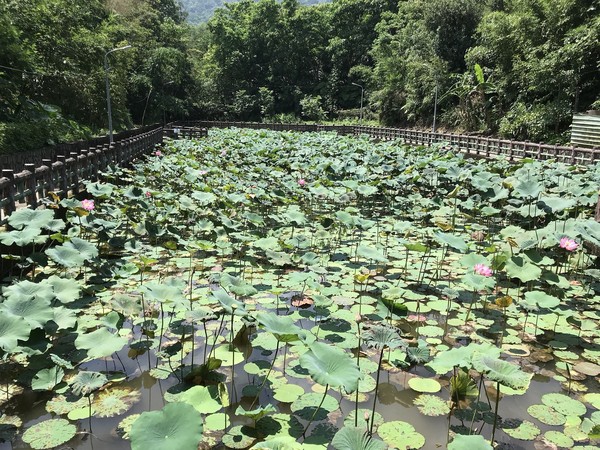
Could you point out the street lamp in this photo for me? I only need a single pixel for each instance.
(106, 68)
(435, 106)
(362, 95)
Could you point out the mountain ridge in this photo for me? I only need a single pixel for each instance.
(202, 10)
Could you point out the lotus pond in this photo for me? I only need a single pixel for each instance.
(259, 289)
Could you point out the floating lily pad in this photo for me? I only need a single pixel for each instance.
(593, 399)
(288, 393)
(560, 439)
(114, 402)
(397, 432)
(471, 442)
(546, 414)
(307, 404)
(431, 405)
(124, 427)
(587, 368)
(424, 385)
(49, 433)
(217, 421)
(563, 404)
(239, 437)
(526, 431)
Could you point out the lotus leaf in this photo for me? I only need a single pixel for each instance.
(431, 405)
(282, 327)
(63, 405)
(86, 382)
(114, 402)
(541, 299)
(371, 254)
(30, 218)
(450, 240)
(444, 361)
(229, 304)
(21, 238)
(201, 399)
(396, 432)
(308, 405)
(288, 393)
(526, 431)
(564, 404)
(35, 311)
(382, 336)
(100, 343)
(560, 439)
(472, 442)
(257, 413)
(352, 438)
(278, 443)
(47, 379)
(49, 433)
(593, 399)
(73, 253)
(26, 290)
(546, 414)
(501, 371)
(424, 385)
(518, 267)
(12, 329)
(331, 366)
(66, 290)
(178, 426)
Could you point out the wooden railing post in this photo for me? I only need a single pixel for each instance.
(10, 191)
(74, 172)
(48, 178)
(31, 185)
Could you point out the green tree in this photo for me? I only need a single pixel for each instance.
(543, 56)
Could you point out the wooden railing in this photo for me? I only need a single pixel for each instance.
(65, 173)
(469, 144)
(62, 169)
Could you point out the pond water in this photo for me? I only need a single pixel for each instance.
(305, 265)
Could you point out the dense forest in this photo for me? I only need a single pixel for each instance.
(517, 68)
(199, 11)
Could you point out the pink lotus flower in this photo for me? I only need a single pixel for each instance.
(223, 152)
(202, 172)
(88, 205)
(301, 181)
(148, 194)
(568, 244)
(158, 153)
(482, 269)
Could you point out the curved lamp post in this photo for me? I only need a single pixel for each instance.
(106, 69)
(362, 95)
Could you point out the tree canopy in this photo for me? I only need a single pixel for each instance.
(519, 68)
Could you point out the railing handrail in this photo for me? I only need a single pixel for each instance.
(470, 144)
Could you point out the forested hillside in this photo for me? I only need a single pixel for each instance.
(199, 11)
(516, 68)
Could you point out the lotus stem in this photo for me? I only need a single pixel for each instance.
(315, 412)
(267, 376)
(376, 389)
(496, 412)
(232, 355)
